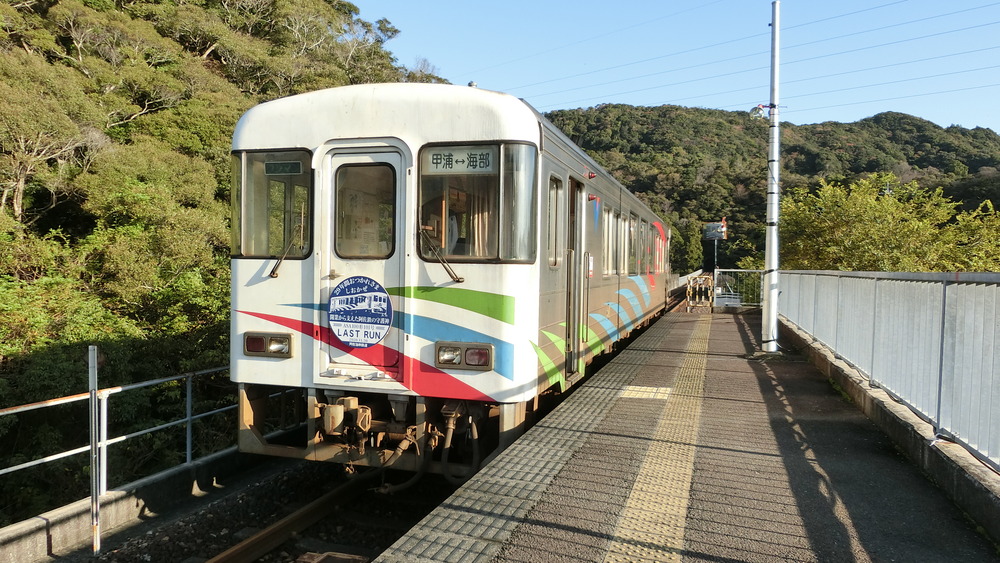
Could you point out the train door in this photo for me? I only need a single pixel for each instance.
(365, 262)
(575, 257)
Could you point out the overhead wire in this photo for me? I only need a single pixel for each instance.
(821, 77)
(836, 74)
(861, 87)
(693, 49)
(592, 38)
(908, 96)
(827, 55)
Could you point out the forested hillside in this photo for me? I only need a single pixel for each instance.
(115, 126)
(696, 165)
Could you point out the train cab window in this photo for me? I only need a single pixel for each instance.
(467, 192)
(272, 201)
(366, 211)
(517, 214)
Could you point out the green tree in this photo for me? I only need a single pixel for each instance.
(158, 218)
(686, 254)
(878, 224)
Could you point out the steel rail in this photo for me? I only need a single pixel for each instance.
(273, 536)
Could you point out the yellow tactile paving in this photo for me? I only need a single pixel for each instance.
(651, 527)
(643, 392)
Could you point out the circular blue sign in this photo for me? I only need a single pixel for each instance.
(360, 312)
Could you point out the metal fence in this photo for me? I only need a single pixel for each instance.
(738, 288)
(930, 340)
(99, 403)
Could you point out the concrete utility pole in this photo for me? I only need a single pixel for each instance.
(769, 325)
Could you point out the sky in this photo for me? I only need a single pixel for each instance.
(839, 61)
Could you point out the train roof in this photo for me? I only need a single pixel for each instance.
(415, 113)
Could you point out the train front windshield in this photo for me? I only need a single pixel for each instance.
(271, 204)
(477, 202)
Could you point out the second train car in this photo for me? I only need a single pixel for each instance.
(414, 265)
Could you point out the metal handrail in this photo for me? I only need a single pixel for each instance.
(927, 339)
(99, 441)
(105, 393)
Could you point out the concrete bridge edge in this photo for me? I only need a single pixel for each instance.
(69, 527)
(971, 485)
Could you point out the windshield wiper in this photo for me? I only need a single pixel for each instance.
(291, 243)
(274, 270)
(437, 253)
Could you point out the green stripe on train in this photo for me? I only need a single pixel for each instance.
(493, 305)
(594, 341)
(552, 371)
(555, 339)
(587, 335)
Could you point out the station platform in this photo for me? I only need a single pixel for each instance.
(688, 446)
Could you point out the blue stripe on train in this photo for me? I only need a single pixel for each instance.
(434, 330)
(608, 326)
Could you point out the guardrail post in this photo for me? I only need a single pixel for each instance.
(95, 481)
(942, 350)
(103, 399)
(189, 411)
(872, 380)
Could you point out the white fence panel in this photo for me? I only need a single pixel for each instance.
(931, 340)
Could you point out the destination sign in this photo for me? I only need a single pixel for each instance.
(473, 159)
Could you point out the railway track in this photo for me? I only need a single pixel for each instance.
(278, 533)
(350, 523)
(295, 514)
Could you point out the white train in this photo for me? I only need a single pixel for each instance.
(418, 263)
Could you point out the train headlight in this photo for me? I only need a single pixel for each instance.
(464, 355)
(450, 355)
(279, 345)
(274, 345)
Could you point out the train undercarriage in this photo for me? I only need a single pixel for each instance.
(416, 434)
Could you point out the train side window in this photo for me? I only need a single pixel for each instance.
(272, 204)
(616, 243)
(366, 211)
(633, 243)
(608, 243)
(644, 247)
(555, 196)
(658, 244)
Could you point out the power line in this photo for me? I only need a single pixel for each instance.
(797, 96)
(592, 38)
(755, 69)
(885, 27)
(693, 49)
(900, 81)
(807, 59)
(951, 91)
(892, 65)
(687, 51)
(831, 18)
(699, 79)
(897, 42)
